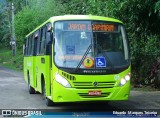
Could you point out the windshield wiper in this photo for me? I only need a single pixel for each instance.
(84, 56)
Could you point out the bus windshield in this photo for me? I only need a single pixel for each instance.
(90, 45)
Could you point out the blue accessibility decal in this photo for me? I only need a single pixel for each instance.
(100, 62)
(70, 49)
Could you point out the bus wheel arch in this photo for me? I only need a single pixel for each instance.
(27, 75)
(31, 90)
(42, 82)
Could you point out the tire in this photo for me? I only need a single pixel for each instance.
(48, 102)
(30, 88)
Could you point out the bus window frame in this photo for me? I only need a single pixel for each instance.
(39, 35)
(35, 42)
(49, 39)
(27, 46)
(30, 45)
(39, 41)
(41, 31)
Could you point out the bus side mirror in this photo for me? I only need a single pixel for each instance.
(49, 28)
(36, 36)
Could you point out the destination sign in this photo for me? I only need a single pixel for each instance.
(88, 27)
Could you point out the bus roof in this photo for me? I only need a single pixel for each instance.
(76, 17)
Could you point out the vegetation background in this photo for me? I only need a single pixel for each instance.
(141, 18)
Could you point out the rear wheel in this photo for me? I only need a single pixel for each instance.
(30, 88)
(47, 100)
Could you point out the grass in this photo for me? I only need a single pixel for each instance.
(10, 61)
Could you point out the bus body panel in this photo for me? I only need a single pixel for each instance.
(29, 68)
(74, 94)
(71, 94)
(43, 69)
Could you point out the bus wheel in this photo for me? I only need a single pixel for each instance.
(47, 100)
(30, 88)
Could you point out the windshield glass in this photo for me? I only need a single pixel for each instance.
(90, 45)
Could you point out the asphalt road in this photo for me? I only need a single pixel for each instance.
(14, 95)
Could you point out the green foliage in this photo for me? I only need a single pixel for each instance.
(4, 27)
(14, 62)
(157, 7)
(33, 15)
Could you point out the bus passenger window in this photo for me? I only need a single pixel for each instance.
(32, 49)
(35, 38)
(30, 45)
(26, 47)
(48, 42)
(42, 42)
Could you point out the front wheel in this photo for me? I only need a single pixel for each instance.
(47, 100)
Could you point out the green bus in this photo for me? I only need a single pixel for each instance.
(77, 58)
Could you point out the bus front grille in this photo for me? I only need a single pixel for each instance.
(68, 76)
(86, 85)
(85, 95)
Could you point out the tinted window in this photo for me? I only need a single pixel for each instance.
(38, 44)
(42, 41)
(35, 38)
(27, 44)
(30, 45)
(48, 40)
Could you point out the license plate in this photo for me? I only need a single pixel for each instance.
(94, 93)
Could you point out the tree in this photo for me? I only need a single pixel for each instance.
(33, 15)
(4, 27)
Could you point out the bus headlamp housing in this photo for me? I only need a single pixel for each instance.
(127, 77)
(124, 80)
(62, 80)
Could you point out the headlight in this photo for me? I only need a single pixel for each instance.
(124, 80)
(62, 80)
(127, 77)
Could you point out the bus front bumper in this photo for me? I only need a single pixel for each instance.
(62, 94)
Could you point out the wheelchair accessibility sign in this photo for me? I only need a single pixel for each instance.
(100, 62)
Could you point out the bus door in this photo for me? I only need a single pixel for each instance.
(48, 52)
(40, 59)
(35, 54)
(43, 58)
(30, 61)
